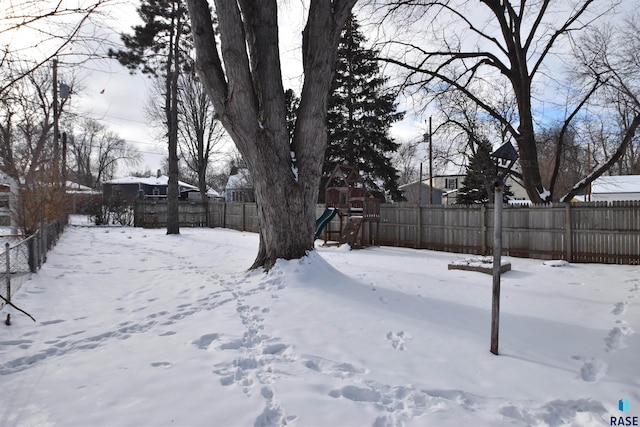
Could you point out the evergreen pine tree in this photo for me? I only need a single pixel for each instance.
(478, 184)
(361, 111)
(160, 48)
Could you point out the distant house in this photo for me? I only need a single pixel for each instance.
(452, 183)
(239, 187)
(8, 199)
(152, 188)
(214, 195)
(81, 198)
(418, 192)
(613, 188)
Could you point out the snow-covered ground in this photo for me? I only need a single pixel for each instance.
(137, 328)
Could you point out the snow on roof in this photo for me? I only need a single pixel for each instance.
(151, 180)
(239, 180)
(616, 184)
(77, 187)
(213, 193)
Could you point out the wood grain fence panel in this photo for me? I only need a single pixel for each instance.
(586, 232)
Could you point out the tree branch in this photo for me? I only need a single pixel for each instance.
(491, 111)
(208, 61)
(16, 307)
(628, 137)
(563, 131)
(564, 29)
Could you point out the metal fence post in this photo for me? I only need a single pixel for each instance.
(44, 242)
(8, 270)
(39, 251)
(33, 264)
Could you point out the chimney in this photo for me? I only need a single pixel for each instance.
(159, 173)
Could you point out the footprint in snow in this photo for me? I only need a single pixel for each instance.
(616, 338)
(205, 341)
(165, 365)
(619, 308)
(593, 369)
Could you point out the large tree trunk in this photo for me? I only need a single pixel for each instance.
(248, 97)
(171, 111)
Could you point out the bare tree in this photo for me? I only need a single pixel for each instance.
(406, 162)
(609, 54)
(496, 42)
(36, 32)
(244, 81)
(95, 152)
(27, 151)
(562, 156)
(200, 134)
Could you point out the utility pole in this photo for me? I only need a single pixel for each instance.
(430, 163)
(56, 148)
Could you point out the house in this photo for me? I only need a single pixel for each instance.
(8, 200)
(152, 187)
(412, 192)
(81, 198)
(239, 187)
(610, 188)
(452, 183)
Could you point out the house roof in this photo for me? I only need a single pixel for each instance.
(75, 188)
(161, 180)
(213, 193)
(415, 183)
(616, 184)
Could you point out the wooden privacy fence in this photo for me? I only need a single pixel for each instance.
(153, 214)
(597, 232)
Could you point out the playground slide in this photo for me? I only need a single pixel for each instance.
(324, 219)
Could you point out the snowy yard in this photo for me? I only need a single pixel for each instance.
(137, 328)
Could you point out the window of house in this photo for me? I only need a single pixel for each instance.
(156, 191)
(451, 183)
(237, 196)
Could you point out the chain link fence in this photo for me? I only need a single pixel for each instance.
(23, 257)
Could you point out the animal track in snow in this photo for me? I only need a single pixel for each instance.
(398, 340)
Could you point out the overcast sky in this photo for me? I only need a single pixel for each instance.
(117, 98)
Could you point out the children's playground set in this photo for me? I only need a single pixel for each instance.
(346, 198)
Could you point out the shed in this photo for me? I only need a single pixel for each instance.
(418, 192)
